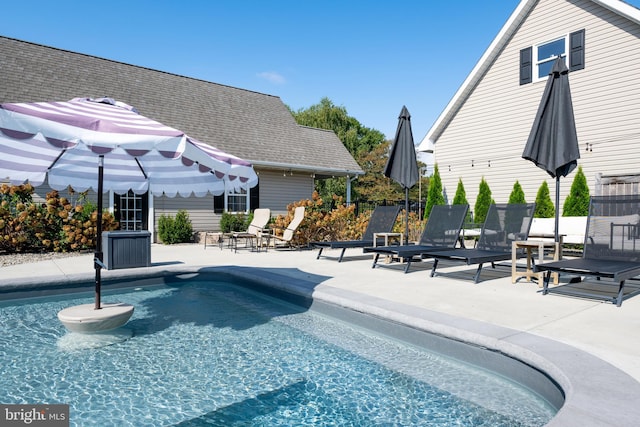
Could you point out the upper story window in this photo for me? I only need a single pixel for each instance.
(536, 61)
(546, 54)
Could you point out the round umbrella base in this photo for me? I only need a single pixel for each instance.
(86, 319)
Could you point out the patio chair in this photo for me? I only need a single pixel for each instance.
(441, 233)
(505, 223)
(289, 232)
(382, 220)
(260, 220)
(611, 251)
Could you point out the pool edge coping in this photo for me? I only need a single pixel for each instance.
(591, 385)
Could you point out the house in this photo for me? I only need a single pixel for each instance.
(484, 128)
(254, 126)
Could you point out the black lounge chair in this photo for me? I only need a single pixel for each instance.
(382, 220)
(441, 233)
(611, 251)
(505, 223)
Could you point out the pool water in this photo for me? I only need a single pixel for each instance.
(203, 353)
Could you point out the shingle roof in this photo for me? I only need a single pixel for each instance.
(254, 126)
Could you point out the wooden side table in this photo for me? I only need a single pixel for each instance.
(530, 245)
(386, 236)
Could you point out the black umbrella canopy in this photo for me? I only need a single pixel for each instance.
(553, 141)
(402, 166)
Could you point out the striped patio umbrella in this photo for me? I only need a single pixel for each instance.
(103, 145)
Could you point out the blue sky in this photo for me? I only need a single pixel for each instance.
(371, 57)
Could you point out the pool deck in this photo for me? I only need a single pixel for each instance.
(583, 344)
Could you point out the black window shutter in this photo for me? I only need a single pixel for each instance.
(218, 204)
(254, 197)
(526, 65)
(576, 50)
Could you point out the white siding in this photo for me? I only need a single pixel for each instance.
(493, 124)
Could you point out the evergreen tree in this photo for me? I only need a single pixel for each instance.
(517, 194)
(483, 202)
(544, 205)
(460, 198)
(577, 202)
(434, 196)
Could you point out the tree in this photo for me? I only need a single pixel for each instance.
(517, 194)
(483, 201)
(544, 205)
(460, 198)
(357, 139)
(374, 185)
(577, 202)
(434, 196)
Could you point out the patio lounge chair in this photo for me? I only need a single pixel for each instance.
(611, 251)
(289, 232)
(260, 220)
(441, 233)
(504, 224)
(382, 220)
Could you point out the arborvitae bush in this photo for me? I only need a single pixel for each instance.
(517, 194)
(175, 230)
(544, 206)
(434, 196)
(460, 198)
(577, 202)
(483, 202)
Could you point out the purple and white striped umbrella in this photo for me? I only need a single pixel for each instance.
(62, 141)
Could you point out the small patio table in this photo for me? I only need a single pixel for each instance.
(530, 245)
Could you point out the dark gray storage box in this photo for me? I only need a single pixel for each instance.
(126, 249)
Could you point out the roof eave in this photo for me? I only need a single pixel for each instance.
(316, 170)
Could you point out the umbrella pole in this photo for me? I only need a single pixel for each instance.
(97, 260)
(406, 215)
(557, 224)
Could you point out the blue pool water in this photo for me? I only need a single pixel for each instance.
(202, 353)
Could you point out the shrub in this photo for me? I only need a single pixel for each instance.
(460, 198)
(434, 196)
(544, 205)
(175, 230)
(58, 224)
(577, 202)
(233, 222)
(517, 194)
(483, 202)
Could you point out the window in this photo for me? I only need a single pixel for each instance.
(131, 210)
(536, 61)
(546, 54)
(237, 201)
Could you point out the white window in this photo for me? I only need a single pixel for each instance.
(545, 55)
(237, 201)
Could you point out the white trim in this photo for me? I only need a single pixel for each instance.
(536, 61)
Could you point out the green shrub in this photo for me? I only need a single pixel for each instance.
(483, 202)
(434, 196)
(577, 202)
(517, 194)
(460, 198)
(544, 205)
(175, 230)
(232, 222)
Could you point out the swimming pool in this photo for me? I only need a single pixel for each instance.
(219, 353)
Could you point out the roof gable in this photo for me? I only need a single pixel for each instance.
(493, 51)
(251, 125)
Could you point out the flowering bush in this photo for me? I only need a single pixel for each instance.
(340, 223)
(58, 224)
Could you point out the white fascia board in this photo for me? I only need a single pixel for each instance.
(476, 74)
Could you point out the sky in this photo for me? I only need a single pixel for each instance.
(369, 56)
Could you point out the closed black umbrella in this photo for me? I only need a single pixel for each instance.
(553, 141)
(402, 166)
